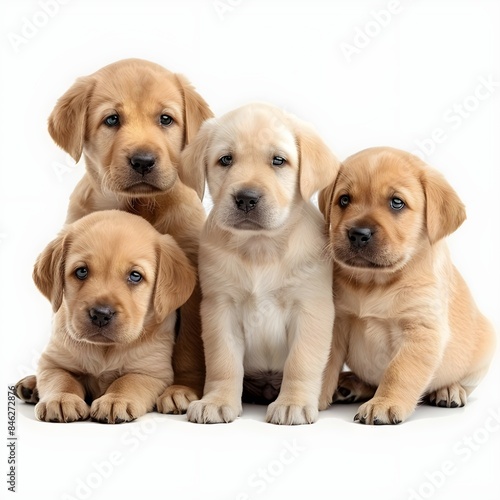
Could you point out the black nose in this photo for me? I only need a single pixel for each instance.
(101, 316)
(143, 163)
(247, 199)
(359, 236)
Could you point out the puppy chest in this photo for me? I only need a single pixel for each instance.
(264, 319)
(373, 343)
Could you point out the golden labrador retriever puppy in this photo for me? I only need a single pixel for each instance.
(267, 307)
(114, 299)
(405, 320)
(131, 120)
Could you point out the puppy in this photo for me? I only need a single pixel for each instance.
(267, 307)
(405, 319)
(114, 299)
(131, 120)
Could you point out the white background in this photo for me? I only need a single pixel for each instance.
(408, 80)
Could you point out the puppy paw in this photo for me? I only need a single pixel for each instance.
(112, 409)
(352, 389)
(64, 407)
(213, 411)
(175, 399)
(452, 396)
(380, 411)
(26, 390)
(291, 414)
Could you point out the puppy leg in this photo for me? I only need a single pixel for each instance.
(224, 349)
(188, 362)
(61, 397)
(352, 389)
(406, 377)
(27, 391)
(298, 400)
(338, 351)
(127, 398)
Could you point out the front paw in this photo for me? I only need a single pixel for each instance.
(113, 409)
(64, 407)
(175, 399)
(210, 410)
(291, 413)
(382, 410)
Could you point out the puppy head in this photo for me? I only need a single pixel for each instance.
(115, 274)
(131, 119)
(257, 161)
(384, 206)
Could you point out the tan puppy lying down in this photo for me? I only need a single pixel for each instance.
(405, 319)
(114, 283)
(267, 307)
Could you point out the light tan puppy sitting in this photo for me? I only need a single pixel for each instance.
(405, 319)
(267, 307)
(114, 283)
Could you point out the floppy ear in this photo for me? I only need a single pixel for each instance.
(445, 212)
(48, 273)
(175, 278)
(193, 164)
(68, 119)
(325, 202)
(318, 167)
(196, 110)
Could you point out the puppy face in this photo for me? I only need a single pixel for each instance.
(384, 206)
(252, 177)
(257, 161)
(116, 275)
(132, 119)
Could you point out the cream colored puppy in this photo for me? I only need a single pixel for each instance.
(267, 307)
(406, 321)
(115, 284)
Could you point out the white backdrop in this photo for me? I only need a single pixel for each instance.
(418, 75)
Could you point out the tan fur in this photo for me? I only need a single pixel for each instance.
(405, 319)
(267, 304)
(139, 92)
(123, 366)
